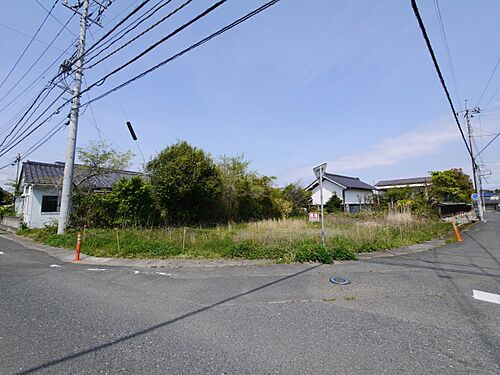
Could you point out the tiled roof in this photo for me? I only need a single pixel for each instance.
(52, 174)
(349, 182)
(404, 181)
(345, 181)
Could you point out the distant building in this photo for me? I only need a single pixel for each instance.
(414, 183)
(354, 193)
(40, 185)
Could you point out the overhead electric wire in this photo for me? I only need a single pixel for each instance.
(488, 83)
(27, 35)
(489, 143)
(58, 127)
(158, 43)
(136, 23)
(23, 135)
(493, 96)
(440, 75)
(56, 61)
(36, 61)
(65, 26)
(447, 49)
(184, 51)
(201, 42)
(163, 19)
(29, 44)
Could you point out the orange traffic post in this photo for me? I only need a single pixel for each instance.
(78, 246)
(457, 233)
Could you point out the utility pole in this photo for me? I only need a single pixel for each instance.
(475, 168)
(18, 162)
(69, 165)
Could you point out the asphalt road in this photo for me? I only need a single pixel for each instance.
(406, 314)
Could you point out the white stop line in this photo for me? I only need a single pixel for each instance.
(484, 296)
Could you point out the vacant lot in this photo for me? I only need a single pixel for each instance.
(287, 240)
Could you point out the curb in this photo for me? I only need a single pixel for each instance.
(67, 256)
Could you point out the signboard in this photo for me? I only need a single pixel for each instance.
(313, 217)
(319, 170)
(474, 196)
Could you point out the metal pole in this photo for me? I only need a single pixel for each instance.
(69, 166)
(475, 171)
(321, 203)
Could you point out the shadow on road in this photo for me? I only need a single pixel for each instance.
(160, 325)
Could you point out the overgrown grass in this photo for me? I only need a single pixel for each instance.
(288, 240)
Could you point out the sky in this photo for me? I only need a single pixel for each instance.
(349, 83)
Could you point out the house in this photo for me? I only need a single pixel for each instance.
(354, 193)
(40, 186)
(491, 201)
(413, 183)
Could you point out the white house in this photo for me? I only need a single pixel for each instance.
(40, 185)
(354, 193)
(413, 183)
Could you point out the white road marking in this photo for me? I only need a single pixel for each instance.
(163, 273)
(1, 252)
(54, 266)
(135, 272)
(97, 269)
(484, 296)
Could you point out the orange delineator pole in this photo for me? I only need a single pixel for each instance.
(78, 245)
(457, 233)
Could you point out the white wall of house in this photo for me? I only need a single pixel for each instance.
(355, 196)
(329, 188)
(352, 196)
(32, 206)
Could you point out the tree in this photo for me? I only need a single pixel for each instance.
(334, 204)
(298, 197)
(99, 159)
(247, 195)
(185, 183)
(452, 185)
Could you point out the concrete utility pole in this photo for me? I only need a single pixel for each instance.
(475, 168)
(69, 165)
(319, 171)
(18, 162)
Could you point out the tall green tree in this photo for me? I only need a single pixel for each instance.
(298, 197)
(452, 185)
(185, 183)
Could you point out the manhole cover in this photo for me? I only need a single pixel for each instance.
(339, 280)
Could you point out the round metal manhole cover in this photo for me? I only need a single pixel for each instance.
(339, 280)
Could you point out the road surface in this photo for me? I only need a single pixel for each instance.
(406, 314)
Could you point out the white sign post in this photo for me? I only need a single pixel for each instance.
(319, 171)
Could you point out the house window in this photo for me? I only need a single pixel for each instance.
(50, 203)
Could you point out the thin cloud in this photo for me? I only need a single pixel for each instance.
(389, 151)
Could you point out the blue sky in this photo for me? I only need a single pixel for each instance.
(345, 82)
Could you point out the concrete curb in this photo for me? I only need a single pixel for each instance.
(65, 255)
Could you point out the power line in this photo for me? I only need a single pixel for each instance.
(136, 23)
(161, 41)
(29, 44)
(489, 143)
(36, 61)
(163, 19)
(201, 42)
(489, 81)
(27, 35)
(56, 61)
(188, 49)
(440, 75)
(447, 49)
(57, 19)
